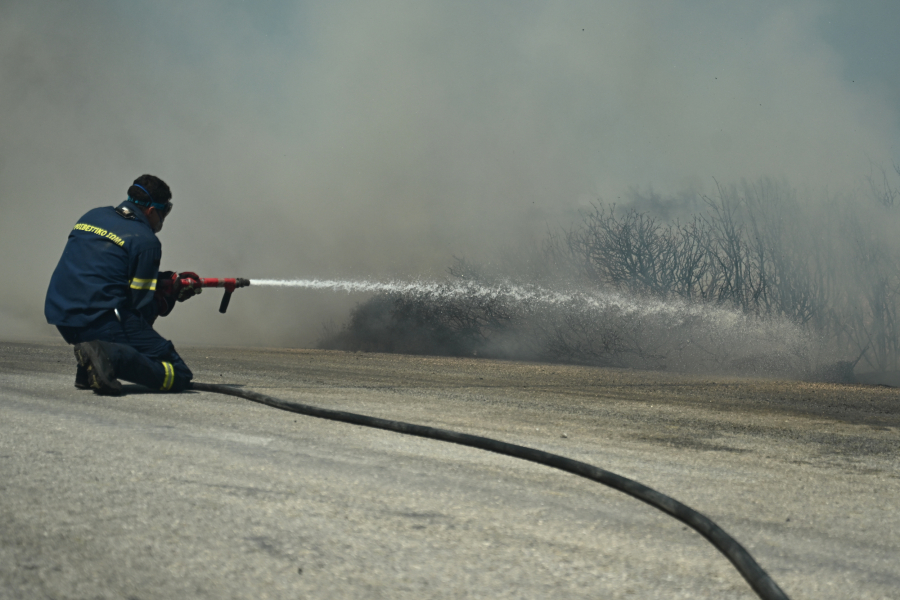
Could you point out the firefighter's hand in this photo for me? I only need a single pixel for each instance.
(165, 293)
(188, 291)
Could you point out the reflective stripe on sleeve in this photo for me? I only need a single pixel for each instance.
(170, 377)
(143, 284)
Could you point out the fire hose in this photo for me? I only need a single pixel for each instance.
(764, 586)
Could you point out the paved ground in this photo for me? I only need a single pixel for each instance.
(205, 496)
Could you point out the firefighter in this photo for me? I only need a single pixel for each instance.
(103, 295)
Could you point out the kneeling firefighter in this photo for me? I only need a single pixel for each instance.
(104, 295)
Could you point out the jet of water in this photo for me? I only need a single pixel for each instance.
(515, 292)
(677, 328)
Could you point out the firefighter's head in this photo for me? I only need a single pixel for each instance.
(154, 197)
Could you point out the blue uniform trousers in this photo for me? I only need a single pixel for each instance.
(138, 354)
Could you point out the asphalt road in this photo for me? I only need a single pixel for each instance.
(200, 495)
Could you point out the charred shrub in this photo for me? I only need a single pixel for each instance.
(445, 321)
(500, 320)
(756, 248)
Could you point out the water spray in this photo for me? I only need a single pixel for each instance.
(515, 292)
(695, 336)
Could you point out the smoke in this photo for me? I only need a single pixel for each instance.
(379, 139)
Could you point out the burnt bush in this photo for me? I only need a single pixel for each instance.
(445, 320)
(757, 249)
(502, 320)
(737, 253)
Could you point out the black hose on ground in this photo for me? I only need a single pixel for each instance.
(764, 586)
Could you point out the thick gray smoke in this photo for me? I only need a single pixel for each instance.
(379, 139)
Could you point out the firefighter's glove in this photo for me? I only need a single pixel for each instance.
(183, 292)
(165, 294)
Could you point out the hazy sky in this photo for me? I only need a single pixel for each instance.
(381, 138)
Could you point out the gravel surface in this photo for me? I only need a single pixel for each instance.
(200, 495)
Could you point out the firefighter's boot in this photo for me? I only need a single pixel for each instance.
(100, 373)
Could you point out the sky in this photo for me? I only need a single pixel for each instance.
(381, 138)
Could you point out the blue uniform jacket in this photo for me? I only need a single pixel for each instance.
(109, 262)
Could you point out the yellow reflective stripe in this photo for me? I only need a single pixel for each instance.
(143, 284)
(170, 377)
